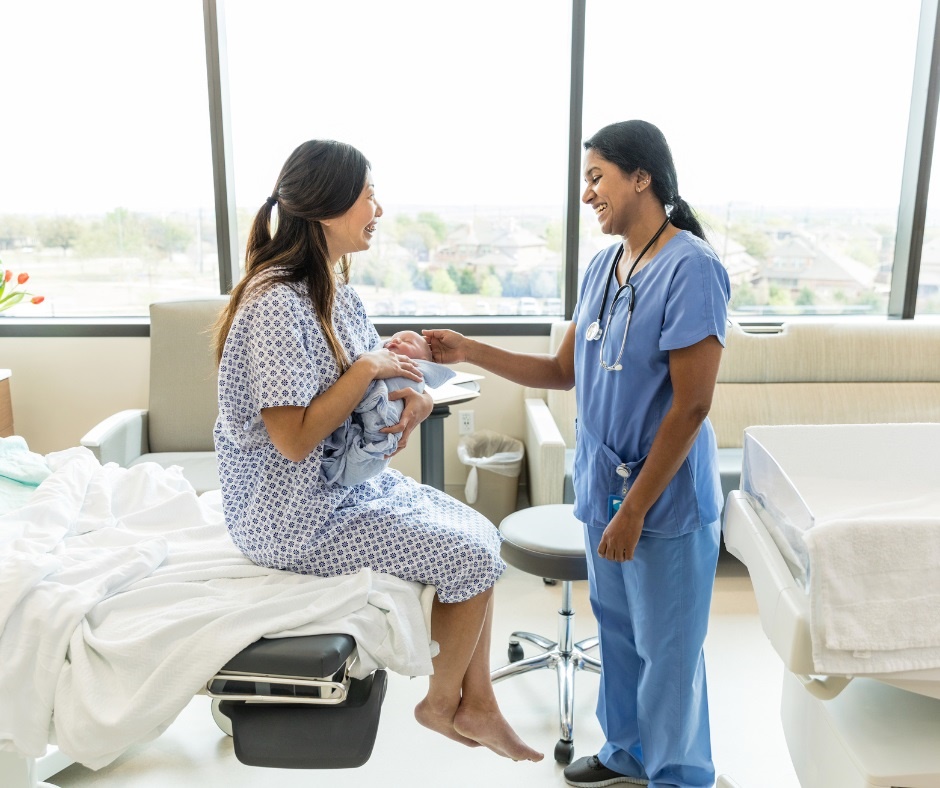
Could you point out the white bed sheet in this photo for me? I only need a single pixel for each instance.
(855, 512)
(121, 593)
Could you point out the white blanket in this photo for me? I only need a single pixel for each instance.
(121, 593)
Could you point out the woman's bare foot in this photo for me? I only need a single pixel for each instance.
(490, 728)
(440, 723)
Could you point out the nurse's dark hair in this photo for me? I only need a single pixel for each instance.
(638, 145)
(321, 179)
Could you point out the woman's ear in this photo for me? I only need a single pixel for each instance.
(642, 180)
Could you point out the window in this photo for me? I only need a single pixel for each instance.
(462, 109)
(107, 184)
(928, 283)
(787, 124)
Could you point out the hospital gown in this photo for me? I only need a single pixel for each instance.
(359, 449)
(280, 513)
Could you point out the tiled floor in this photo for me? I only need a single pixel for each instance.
(744, 694)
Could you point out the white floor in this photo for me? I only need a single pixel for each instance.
(744, 677)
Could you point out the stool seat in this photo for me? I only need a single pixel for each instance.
(546, 541)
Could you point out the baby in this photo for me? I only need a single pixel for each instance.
(358, 449)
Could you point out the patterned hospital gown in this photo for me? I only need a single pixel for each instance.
(280, 513)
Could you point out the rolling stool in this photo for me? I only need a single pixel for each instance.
(547, 541)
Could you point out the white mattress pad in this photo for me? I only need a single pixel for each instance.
(855, 512)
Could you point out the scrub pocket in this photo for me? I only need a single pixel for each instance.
(676, 512)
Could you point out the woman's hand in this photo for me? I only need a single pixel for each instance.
(386, 364)
(417, 408)
(447, 347)
(621, 536)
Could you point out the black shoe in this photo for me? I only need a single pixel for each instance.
(591, 773)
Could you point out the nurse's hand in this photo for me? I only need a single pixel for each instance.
(447, 347)
(417, 408)
(621, 536)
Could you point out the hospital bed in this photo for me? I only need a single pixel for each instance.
(122, 596)
(839, 527)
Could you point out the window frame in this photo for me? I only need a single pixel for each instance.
(918, 159)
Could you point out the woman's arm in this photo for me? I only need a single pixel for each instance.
(527, 369)
(296, 431)
(693, 371)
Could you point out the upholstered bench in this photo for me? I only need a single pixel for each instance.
(844, 371)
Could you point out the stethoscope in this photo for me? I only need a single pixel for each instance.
(594, 331)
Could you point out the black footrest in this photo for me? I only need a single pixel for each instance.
(309, 736)
(311, 656)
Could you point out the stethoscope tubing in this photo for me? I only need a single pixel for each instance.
(610, 276)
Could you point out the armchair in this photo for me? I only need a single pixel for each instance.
(549, 437)
(176, 427)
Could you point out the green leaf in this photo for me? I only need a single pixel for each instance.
(11, 300)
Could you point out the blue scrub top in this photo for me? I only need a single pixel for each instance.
(681, 297)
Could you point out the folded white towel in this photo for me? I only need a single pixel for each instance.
(875, 594)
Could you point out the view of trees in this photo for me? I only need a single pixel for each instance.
(428, 262)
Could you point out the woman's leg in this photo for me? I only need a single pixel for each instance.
(460, 702)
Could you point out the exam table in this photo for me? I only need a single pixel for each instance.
(288, 703)
(123, 596)
(854, 728)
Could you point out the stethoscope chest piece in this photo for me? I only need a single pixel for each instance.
(593, 331)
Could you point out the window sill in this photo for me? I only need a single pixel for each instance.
(140, 326)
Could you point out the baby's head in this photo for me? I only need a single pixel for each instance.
(409, 343)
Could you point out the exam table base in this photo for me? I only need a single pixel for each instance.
(309, 737)
(289, 703)
(871, 735)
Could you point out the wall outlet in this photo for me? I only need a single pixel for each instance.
(465, 421)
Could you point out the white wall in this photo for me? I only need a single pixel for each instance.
(61, 387)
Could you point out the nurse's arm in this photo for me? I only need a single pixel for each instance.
(536, 370)
(694, 372)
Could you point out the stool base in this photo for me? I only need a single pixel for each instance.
(565, 656)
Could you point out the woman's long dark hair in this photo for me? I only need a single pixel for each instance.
(320, 179)
(637, 145)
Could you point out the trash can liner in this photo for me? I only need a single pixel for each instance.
(499, 454)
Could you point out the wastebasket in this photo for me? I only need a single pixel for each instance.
(495, 464)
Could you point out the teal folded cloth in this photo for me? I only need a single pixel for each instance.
(21, 472)
(19, 464)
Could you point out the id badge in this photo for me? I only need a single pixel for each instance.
(613, 504)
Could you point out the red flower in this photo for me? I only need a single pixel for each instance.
(12, 293)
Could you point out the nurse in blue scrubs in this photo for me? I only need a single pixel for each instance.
(644, 349)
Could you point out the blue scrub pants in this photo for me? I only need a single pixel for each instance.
(652, 615)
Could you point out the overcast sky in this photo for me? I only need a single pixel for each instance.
(802, 104)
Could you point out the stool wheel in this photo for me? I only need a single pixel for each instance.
(515, 651)
(564, 751)
(549, 581)
(224, 723)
